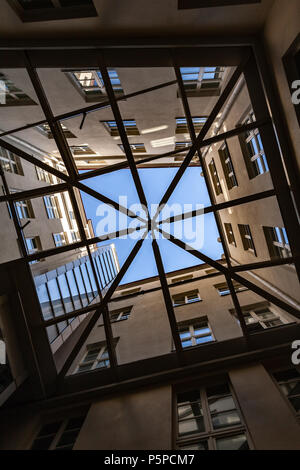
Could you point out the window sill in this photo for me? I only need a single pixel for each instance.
(190, 303)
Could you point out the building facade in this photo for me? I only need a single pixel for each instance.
(197, 359)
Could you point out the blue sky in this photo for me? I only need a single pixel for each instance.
(190, 190)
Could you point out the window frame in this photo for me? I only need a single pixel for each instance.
(214, 176)
(227, 166)
(209, 435)
(247, 238)
(246, 139)
(186, 295)
(192, 325)
(58, 12)
(277, 249)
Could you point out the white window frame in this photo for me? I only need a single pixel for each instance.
(102, 356)
(192, 326)
(186, 300)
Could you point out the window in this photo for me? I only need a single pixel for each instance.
(46, 131)
(23, 208)
(59, 239)
(52, 207)
(182, 145)
(223, 288)
(135, 148)
(186, 298)
(215, 177)
(33, 245)
(10, 162)
(120, 314)
(90, 83)
(75, 235)
(260, 317)
(227, 166)
(203, 413)
(229, 234)
(10, 95)
(129, 124)
(45, 10)
(182, 127)
(84, 150)
(277, 242)
(43, 175)
(195, 332)
(182, 278)
(247, 239)
(59, 435)
(202, 81)
(252, 149)
(289, 383)
(96, 357)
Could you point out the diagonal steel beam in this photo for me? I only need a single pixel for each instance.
(217, 217)
(55, 127)
(88, 109)
(122, 132)
(64, 177)
(106, 298)
(34, 193)
(81, 244)
(229, 272)
(167, 298)
(195, 146)
(220, 206)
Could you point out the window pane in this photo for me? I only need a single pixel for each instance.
(192, 395)
(44, 301)
(191, 426)
(222, 404)
(65, 293)
(188, 411)
(223, 420)
(74, 290)
(203, 445)
(233, 443)
(55, 298)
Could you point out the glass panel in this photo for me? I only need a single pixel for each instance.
(55, 298)
(65, 293)
(92, 278)
(203, 445)
(186, 411)
(87, 282)
(191, 426)
(204, 339)
(226, 419)
(81, 287)
(222, 404)
(232, 443)
(44, 301)
(193, 395)
(74, 290)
